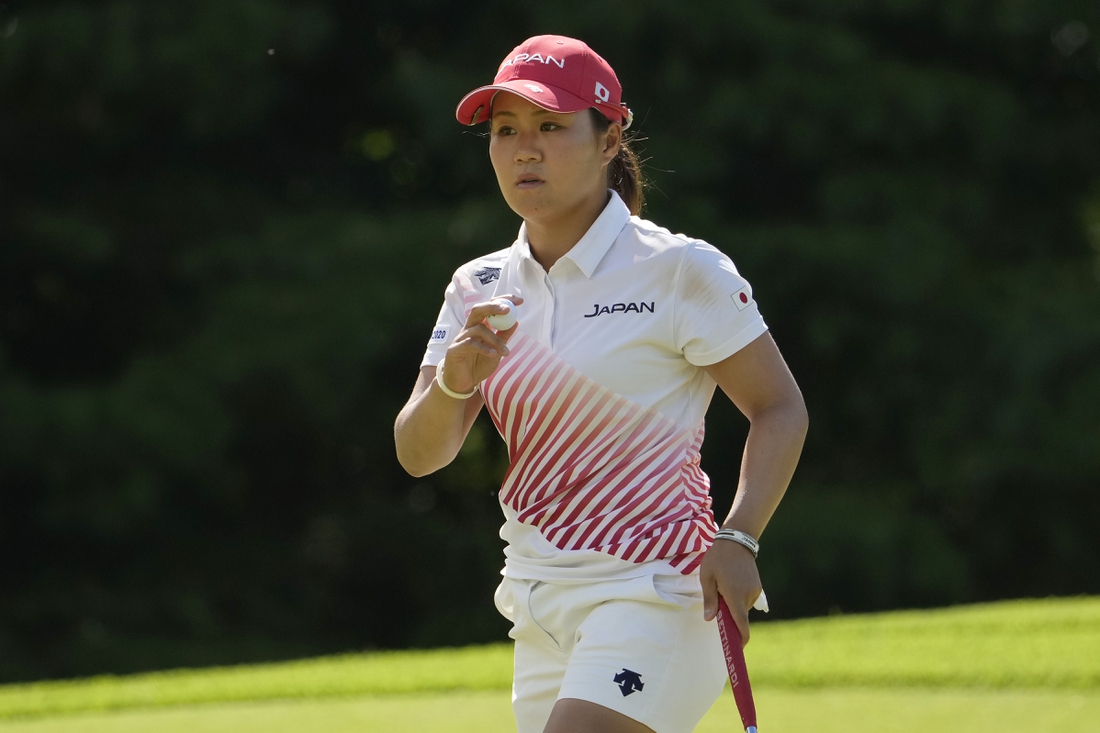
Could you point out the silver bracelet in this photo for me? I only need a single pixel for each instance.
(447, 390)
(736, 535)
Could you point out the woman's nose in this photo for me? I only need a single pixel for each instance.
(527, 148)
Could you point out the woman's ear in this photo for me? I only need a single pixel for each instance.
(613, 139)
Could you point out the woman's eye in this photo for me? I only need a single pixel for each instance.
(548, 126)
(504, 130)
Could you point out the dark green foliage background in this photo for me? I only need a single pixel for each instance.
(226, 225)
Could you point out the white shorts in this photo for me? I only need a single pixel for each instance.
(638, 646)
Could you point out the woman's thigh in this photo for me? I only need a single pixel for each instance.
(580, 716)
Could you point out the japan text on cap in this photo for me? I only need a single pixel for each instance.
(557, 73)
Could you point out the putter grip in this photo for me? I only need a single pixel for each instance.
(735, 664)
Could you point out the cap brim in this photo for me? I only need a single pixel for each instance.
(474, 107)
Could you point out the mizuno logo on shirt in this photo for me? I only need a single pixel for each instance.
(599, 310)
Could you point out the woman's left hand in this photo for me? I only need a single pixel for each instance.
(730, 569)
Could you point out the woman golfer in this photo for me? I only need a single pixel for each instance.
(612, 570)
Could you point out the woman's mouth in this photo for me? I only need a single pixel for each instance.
(528, 180)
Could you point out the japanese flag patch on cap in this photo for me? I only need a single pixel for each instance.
(742, 298)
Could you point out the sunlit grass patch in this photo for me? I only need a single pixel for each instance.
(1032, 643)
(375, 673)
(782, 710)
(1052, 643)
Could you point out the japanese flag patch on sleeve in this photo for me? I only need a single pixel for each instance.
(743, 298)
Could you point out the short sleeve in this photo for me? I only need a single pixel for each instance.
(716, 314)
(452, 317)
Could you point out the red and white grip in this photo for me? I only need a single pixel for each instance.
(735, 665)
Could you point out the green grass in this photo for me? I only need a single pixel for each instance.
(782, 710)
(998, 652)
(1048, 643)
(381, 673)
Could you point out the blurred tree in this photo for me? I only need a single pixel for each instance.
(226, 227)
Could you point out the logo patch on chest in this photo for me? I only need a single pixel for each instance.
(599, 310)
(487, 274)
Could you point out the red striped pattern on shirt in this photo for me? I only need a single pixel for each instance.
(591, 469)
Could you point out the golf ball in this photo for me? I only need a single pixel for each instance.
(503, 321)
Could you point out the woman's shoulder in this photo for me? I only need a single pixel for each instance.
(657, 240)
(485, 268)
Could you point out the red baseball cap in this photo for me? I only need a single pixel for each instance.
(555, 72)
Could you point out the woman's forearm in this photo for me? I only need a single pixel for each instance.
(432, 426)
(772, 449)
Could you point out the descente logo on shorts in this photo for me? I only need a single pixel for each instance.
(629, 681)
(599, 310)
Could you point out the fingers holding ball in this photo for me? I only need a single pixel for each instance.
(502, 321)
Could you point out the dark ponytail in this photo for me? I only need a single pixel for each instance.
(624, 172)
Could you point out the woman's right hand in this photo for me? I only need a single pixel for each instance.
(477, 349)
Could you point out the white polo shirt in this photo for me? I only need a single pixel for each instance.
(603, 396)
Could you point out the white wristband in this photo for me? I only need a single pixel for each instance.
(740, 538)
(447, 390)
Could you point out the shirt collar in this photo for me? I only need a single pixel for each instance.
(587, 253)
